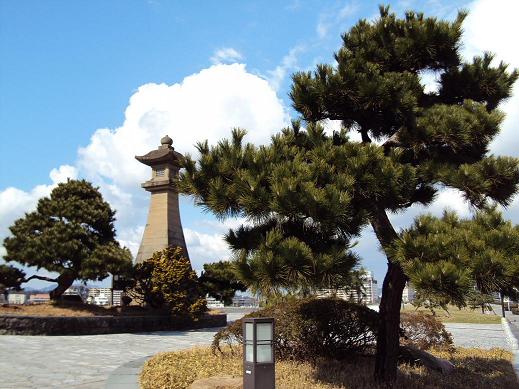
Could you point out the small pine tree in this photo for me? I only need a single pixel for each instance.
(461, 261)
(10, 278)
(219, 280)
(167, 280)
(72, 233)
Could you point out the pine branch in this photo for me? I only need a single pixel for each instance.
(37, 277)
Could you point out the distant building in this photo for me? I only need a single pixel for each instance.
(17, 298)
(39, 298)
(368, 294)
(100, 296)
(245, 302)
(77, 290)
(409, 293)
(116, 297)
(213, 303)
(104, 296)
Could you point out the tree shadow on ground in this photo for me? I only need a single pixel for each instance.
(493, 370)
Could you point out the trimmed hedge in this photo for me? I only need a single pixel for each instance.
(307, 329)
(312, 328)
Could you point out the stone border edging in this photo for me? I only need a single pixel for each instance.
(127, 375)
(514, 344)
(97, 325)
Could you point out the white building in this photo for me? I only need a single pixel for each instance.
(77, 290)
(213, 303)
(100, 296)
(104, 296)
(368, 294)
(409, 293)
(116, 297)
(17, 298)
(245, 302)
(39, 298)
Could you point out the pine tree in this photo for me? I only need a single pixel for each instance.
(10, 277)
(313, 192)
(72, 233)
(461, 261)
(219, 280)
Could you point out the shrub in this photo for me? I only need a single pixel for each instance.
(515, 311)
(424, 331)
(167, 280)
(311, 328)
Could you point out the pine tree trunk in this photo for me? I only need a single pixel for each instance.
(65, 281)
(388, 336)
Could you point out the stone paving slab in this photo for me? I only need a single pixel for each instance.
(82, 361)
(478, 335)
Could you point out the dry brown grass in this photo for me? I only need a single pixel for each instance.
(475, 369)
(72, 310)
(456, 315)
(53, 310)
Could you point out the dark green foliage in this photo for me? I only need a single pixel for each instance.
(447, 257)
(10, 277)
(476, 299)
(311, 328)
(71, 232)
(166, 280)
(140, 286)
(308, 329)
(308, 193)
(219, 280)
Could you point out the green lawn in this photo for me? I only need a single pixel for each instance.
(455, 315)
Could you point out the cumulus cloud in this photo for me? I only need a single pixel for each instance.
(226, 55)
(15, 202)
(204, 248)
(492, 26)
(205, 105)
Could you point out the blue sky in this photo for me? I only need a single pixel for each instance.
(84, 86)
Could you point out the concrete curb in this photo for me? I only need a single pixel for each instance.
(514, 344)
(126, 376)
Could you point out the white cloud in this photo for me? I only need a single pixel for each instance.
(226, 55)
(205, 105)
(15, 202)
(63, 173)
(492, 26)
(288, 64)
(205, 248)
(334, 17)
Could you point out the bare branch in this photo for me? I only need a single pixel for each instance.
(37, 277)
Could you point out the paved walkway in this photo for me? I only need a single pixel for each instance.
(478, 335)
(82, 361)
(87, 361)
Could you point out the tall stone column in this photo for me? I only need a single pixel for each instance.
(163, 227)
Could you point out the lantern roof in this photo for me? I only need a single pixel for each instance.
(165, 153)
